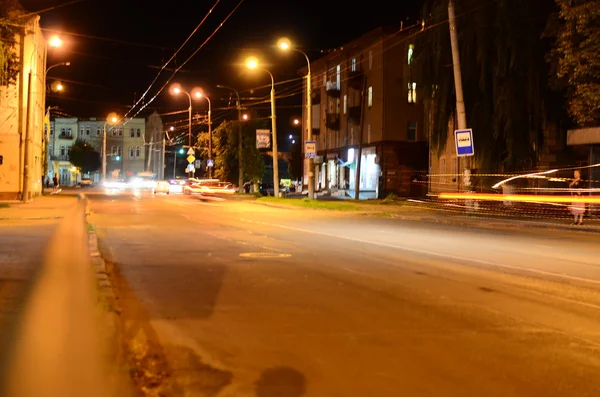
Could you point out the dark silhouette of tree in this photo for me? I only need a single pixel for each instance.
(225, 150)
(575, 57)
(85, 157)
(10, 12)
(507, 97)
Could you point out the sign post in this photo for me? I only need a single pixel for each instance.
(464, 142)
(310, 149)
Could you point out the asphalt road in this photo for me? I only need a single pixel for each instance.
(241, 299)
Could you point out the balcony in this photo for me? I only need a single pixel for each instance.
(333, 121)
(64, 136)
(62, 157)
(355, 79)
(354, 113)
(332, 89)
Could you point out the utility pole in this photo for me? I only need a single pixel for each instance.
(240, 148)
(163, 164)
(25, 195)
(461, 117)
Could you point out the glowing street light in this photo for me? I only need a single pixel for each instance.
(252, 64)
(285, 44)
(55, 41)
(112, 120)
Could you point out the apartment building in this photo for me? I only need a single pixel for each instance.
(365, 103)
(125, 154)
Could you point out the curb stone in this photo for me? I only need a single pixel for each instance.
(119, 367)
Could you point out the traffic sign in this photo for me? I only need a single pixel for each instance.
(190, 158)
(310, 149)
(190, 168)
(198, 163)
(191, 151)
(464, 142)
(210, 163)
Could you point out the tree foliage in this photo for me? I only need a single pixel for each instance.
(575, 57)
(9, 60)
(85, 157)
(504, 74)
(225, 150)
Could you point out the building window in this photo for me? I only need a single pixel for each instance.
(69, 132)
(87, 131)
(370, 96)
(353, 67)
(411, 131)
(120, 131)
(131, 133)
(51, 130)
(63, 132)
(114, 132)
(97, 131)
(411, 49)
(81, 132)
(137, 151)
(131, 153)
(139, 133)
(63, 150)
(112, 150)
(412, 92)
(345, 103)
(118, 150)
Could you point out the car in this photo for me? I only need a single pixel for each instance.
(208, 187)
(86, 182)
(161, 187)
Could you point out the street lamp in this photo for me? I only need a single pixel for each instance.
(240, 164)
(285, 45)
(197, 92)
(252, 63)
(111, 119)
(176, 90)
(54, 41)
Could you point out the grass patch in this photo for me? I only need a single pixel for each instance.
(4, 205)
(313, 204)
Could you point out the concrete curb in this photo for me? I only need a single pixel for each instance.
(120, 376)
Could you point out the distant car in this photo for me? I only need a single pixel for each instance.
(86, 182)
(161, 187)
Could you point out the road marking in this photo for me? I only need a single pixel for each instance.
(265, 255)
(431, 253)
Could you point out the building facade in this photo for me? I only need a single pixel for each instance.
(22, 103)
(367, 118)
(125, 153)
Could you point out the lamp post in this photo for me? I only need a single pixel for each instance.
(111, 119)
(176, 90)
(285, 45)
(252, 63)
(199, 94)
(54, 41)
(240, 163)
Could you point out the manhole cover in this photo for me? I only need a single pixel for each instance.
(265, 255)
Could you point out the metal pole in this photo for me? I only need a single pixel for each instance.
(174, 163)
(461, 117)
(240, 151)
(25, 194)
(190, 127)
(309, 135)
(104, 153)
(210, 169)
(275, 151)
(163, 163)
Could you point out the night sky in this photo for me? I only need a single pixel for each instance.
(116, 47)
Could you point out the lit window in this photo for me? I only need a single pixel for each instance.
(411, 49)
(353, 68)
(412, 92)
(370, 96)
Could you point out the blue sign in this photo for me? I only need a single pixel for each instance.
(464, 142)
(210, 163)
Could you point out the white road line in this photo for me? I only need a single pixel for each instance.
(431, 253)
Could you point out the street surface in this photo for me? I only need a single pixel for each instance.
(233, 298)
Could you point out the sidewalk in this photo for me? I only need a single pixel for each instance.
(42, 207)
